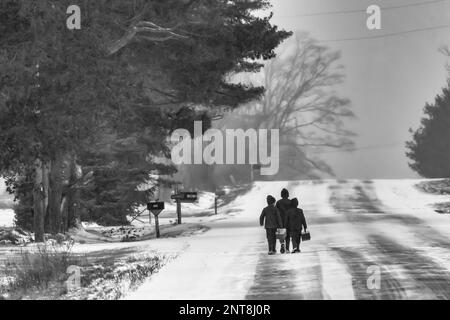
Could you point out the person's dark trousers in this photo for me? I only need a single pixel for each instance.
(271, 238)
(299, 239)
(288, 238)
(296, 238)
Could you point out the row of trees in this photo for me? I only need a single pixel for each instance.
(84, 114)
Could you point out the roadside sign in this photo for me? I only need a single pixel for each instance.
(189, 196)
(155, 207)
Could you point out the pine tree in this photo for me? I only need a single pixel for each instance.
(429, 148)
(126, 74)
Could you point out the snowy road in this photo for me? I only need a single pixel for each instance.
(357, 228)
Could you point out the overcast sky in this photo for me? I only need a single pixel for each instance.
(388, 79)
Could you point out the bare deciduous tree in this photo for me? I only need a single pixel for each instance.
(301, 101)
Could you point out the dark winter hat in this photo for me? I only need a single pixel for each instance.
(284, 193)
(294, 203)
(270, 200)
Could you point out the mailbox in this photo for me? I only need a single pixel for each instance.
(185, 196)
(155, 207)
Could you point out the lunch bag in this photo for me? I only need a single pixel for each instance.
(281, 234)
(306, 236)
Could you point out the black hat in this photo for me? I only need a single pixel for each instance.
(294, 202)
(270, 200)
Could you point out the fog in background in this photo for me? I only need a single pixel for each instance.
(388, 79)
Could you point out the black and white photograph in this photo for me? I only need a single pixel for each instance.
(228, 156)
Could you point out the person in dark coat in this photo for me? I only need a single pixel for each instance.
(295, 220)
(283, 205)
(270, 218)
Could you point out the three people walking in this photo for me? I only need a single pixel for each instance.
(284, 215)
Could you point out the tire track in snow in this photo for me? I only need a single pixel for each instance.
(425, 272)
(419, 227)
(357, 264)
(287, 277)
(360, 206)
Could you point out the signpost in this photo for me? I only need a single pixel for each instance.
(156, 208)
(217, 195)
(186, 197)
(256, 166)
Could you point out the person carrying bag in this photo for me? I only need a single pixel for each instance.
(281, 236)
(283, 205)
(295, 220)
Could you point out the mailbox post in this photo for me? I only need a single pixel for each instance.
(156, 208)
(187, 197)
(255, 167)
(217, 195)
(178, 211)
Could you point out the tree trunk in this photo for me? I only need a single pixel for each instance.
(46, 178)
(70, 178)
(39, 202)
(73, 208)
(56, 191)
(61, 197)
(74, 195)
(64, 211)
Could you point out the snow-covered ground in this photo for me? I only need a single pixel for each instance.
(6, 215)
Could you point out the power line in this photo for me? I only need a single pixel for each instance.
(387, 35)
(369, 147)
(360, 10)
